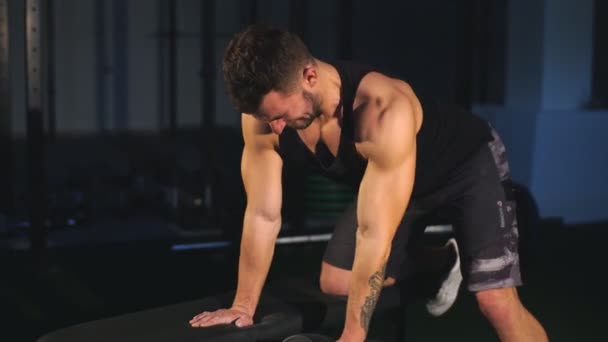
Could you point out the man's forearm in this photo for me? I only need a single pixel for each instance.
(257, 250)
(366, 285)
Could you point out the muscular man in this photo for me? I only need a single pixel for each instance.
(406, 156)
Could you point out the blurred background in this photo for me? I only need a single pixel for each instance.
(120, 183)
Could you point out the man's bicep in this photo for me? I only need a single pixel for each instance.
(261, 170)
(389, 178)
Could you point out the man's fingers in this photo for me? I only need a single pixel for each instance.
(203, 318)
(215, 318)
(199, 316)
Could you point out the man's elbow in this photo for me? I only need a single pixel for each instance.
(263, 219)
(269, 213)
(375, 234)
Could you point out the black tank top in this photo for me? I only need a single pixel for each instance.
(448, 135)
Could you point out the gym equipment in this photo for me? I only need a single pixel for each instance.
(325, 200)
(49, 7)
(6, 139)
(287, 307)
(309, 338)
(314, 338)
(274, 321)
(35, 130)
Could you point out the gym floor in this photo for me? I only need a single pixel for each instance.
(82, 282)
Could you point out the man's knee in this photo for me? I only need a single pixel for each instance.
(498, 303)
(334, 281)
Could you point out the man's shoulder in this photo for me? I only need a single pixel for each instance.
(382, 101)
(377, 91)
(379, 85)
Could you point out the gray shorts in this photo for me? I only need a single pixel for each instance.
(477, 201)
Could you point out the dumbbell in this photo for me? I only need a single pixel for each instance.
(314, 338)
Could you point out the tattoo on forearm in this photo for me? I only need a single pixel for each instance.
(375, 282)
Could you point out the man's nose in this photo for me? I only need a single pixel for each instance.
(277, 126)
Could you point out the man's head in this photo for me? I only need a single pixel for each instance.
(271, 74)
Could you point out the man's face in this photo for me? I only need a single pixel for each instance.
(297, 110)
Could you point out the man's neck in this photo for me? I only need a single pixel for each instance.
(330, 90)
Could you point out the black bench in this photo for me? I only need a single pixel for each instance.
(287, 307)
(274, 321)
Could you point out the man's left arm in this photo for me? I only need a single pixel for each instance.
(384, 194)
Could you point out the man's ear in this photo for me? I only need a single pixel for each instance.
(310, 75)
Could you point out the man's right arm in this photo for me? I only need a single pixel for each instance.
(261, 168)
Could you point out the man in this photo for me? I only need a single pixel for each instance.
(369, 130)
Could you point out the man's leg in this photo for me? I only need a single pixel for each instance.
(511, 320)
(336, 281)
(487, 232)
(493, 274)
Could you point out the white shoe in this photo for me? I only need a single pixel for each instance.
(446, 296)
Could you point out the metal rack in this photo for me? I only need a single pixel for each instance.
(35, 129)
(6, 154)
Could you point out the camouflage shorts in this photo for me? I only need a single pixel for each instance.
(497, 265)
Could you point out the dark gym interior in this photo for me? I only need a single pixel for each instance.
(120, 184)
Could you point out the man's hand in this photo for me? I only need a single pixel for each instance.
(236, 315)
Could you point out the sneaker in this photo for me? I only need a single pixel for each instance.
(446, 296)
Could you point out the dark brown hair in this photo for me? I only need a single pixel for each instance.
(260, 59)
